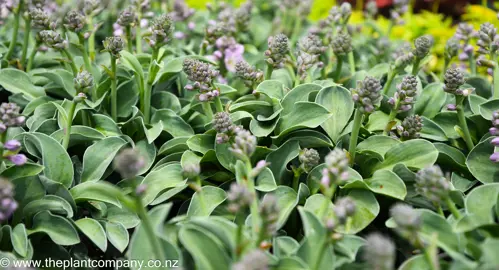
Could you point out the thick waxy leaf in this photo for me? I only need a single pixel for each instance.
(287, 200)
(56, 161)
(17, 81)
(172, 123)
(98, 157)
(19, 239)
(205, 201)
(63, 79)
(415, 154)
(169, 176)
(430, 101)
(299, 93)
(489, 107)
(92, 229)
(59, 229)
(206, 250)
(383, 182)
(28, 169)
(479, 164)
(367, 208)
(54, 204)
(97, 191)
(338, 101)
(281, 157)
(303, 115)
(479, 204)
(271, 88)
(117, 235)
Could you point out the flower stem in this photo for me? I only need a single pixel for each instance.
(207, 109)
(462, 122)
(138, 34)
(218, 104)
(446, 65)
(391, 117)
(357, 121)
(69, 123)
(150, 81)
(27, 30)
(114, 90)
(452, 208)
(496, 77)
(415, 66)
(255, 217)
(296, 178)
(91, 39)
(389, 81)
(32, 56)
(429, 259)
(15, 30)
(337, 73)
(129, 44)
(151, 234)
(72, 63)
(351, 62)
(471, 60)
(268, 72)
(84, 52)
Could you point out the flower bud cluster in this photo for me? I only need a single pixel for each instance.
(243, 16)
(83, 82)
(181, 11)
(343, 209)
(405, 96)
(114, 45)
(52, 39)
(161, 30)
(431, 183)
(129, 162)
(10, 117)
(408, 221)
(371, 9)
(340, 15)
(248, 73)
(239, 197)
(269, 214)
(244, 144)
(74, 21)
(191, 171)
(379, 252)
(336, 170)
(309, 158)
(422, 46)
(91, 7)
(368, 94)
(253, 260)
(202, 74)
(40, 19)
(7, 202)
(494, 131)
(278, 48)
(310, 49)
(342, 43)
(453, 79)
(410, 127)
(128, 17)
(488, 40)
(451, 48)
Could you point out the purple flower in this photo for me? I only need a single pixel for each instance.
(233, 55)
(494, 157)
(12, 145)
(179, 35)
(495, 141)
(451, 107)
(18, 159)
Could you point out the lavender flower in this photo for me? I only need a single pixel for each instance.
(239, 197)
(465, 32)
(400, 7)
(309, 158)
(487, 37)
(410, 127)
(278, 48)
(129, 162)
(17, 159)
(12, 145)
(7, 203)
(181, 11)
(494, 131)
(431, 183)
(368, 94)
(10, 116)
(243, 16)
(336, 170)
(379, 252)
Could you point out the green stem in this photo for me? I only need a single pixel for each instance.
(440, 210)
(351, 62)
(15, 30)
(320, 255)
(129, 43)
(138, 34)
(84, 52)
(462, 122)
(446, 65)
(296, 30)
(389, 81)
(69, 123)
(391, 117)
(472, 63)
(218, 104)
(151, 234)
(415, 66)
(296, 178)
(429, 259)
(357, 121)
(114, 90)
(452, 208)
(239, 238)
(268, 72)
(32, 57)
(27, 31)
(337, 73)
(495, 76)
(255, 216)
(72, 63)
(207, 109)
(328, 193)
(91, 39)
(148, 90)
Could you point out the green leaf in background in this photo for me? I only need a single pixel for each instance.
(281, 157)
(97, 191)
(488, 108)
(338, 101)
(28, 169)
(17, 81)
(382, 182)
(117, 235)
(63, 79)
(479, 164)
(56, 161)
(92, 229)
(172, 123)
(431, 100)
(98, 156)
(19, 240)
(367, 209)
(271, 88)
(169, 176)
(205, 201)
(303, 115)
(52, 203)
(57, 228)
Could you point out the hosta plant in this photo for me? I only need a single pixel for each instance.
(245, 137)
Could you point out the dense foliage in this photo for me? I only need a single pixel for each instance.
(246, 137)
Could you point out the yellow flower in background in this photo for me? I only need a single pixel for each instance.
(476, 15)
